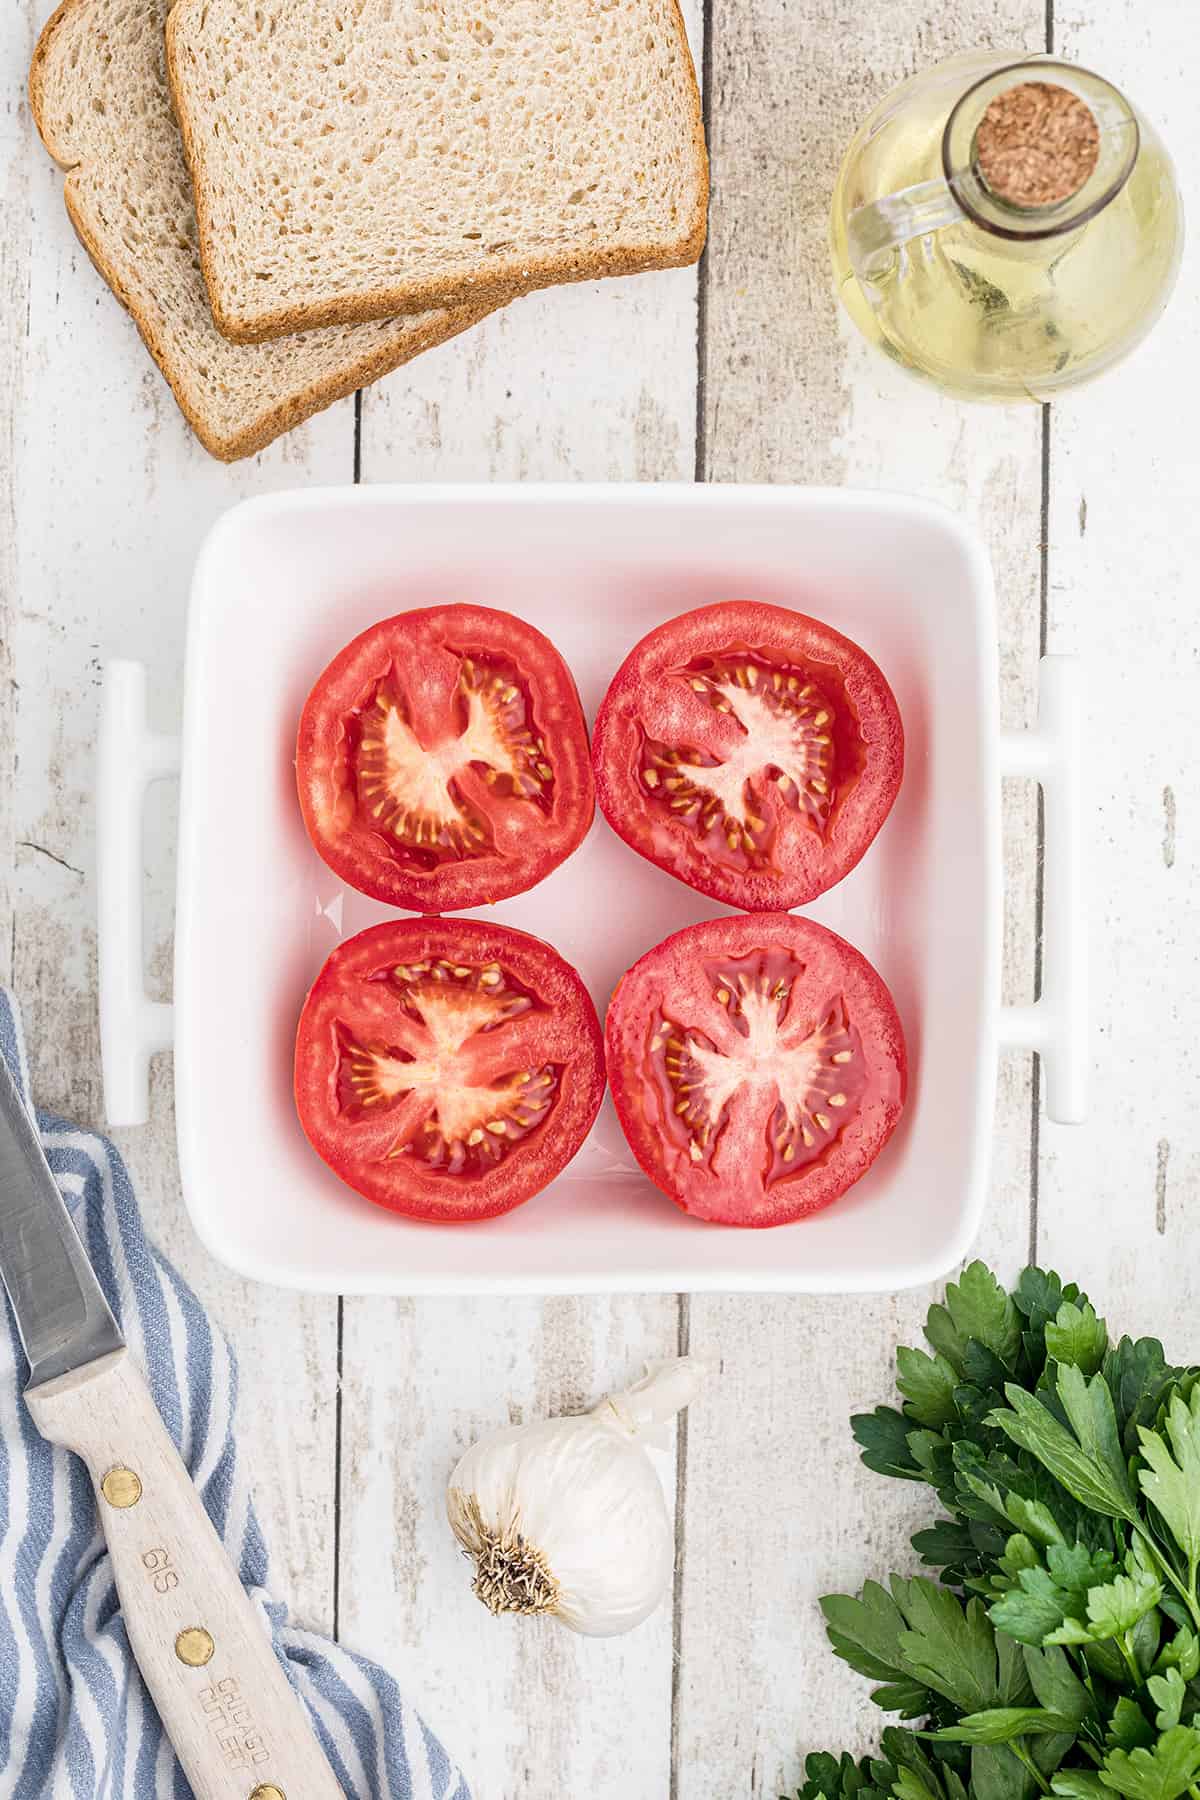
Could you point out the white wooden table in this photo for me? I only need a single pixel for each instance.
(741, 371)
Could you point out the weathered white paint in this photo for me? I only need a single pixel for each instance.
(1119, 1201)
(102, 501)
(592, 382)
(530, 1707)
(15, 276)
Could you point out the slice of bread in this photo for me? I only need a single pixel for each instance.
(100, 98)
(355, 158)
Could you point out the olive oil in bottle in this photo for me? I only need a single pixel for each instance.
(1006, 228)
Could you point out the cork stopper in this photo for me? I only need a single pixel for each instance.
(1036, 144)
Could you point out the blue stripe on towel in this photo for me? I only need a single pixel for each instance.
(76, 1722)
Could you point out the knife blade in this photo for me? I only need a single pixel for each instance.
(233, 1718)
(61, 1313)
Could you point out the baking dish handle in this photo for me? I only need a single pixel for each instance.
(132, 1026)
(1056, 1024)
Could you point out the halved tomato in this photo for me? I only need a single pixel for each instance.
(757, 1065)
(447, 1068)
(749, 750)
(442, 759)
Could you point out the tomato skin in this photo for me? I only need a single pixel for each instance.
(353, 990)
(422, 653)
(647, 699)
(730, 1188)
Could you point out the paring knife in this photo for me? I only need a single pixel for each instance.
(235, 1722)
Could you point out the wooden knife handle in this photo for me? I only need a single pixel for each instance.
(235, 1721)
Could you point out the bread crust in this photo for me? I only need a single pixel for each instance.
(37, 77)
(275, 419)
(401, 297)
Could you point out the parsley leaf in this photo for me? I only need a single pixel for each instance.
(947, 1542)
(838, 1778)
(1038, 1295)
(1075, 1335)
(953, 1650)
(1137, 1375)
(1112, 1610)
(1035, 1520)
(1162, 1773)
(905, 1752)
(997, 1774)
(976, 1307)
(1168, 1693)
(1105, 1659)
(1080, 1784)
(920, 1640)
(1090, 1481)
(1031, 1611)
(1171, 1483)
(1068, 1474)
(903, 1768)
(1182, 1653)
(909, 1786)
(866, 1633)
(928, 1383)
(1001, 1725)
(1057, 1687)
(1120, 1605)
(1129, 1726)
(1045, 1597)
(883, 1436)
(1092, 1416)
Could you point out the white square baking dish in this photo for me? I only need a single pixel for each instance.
(284, 581)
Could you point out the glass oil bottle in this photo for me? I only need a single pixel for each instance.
(1006, 228)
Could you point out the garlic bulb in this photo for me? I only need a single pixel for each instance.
(567, 1516)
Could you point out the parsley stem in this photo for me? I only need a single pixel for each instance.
(1082, 1668)
(1130, 1659)
(1017, 1746)
(1186, 1591)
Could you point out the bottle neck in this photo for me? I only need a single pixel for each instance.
(1034, 164)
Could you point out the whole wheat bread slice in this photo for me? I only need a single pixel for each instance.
(99, 94)
(355, 158)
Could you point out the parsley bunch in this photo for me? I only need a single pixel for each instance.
(1058, 1653)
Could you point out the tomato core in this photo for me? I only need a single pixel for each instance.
(447, 1068)
(811, 1070)
(407, 786)
(785, 754)
(442, 759)
(469, 1124)
(750, 750)
(757, 1065)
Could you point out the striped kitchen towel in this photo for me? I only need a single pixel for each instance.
(76, 1722)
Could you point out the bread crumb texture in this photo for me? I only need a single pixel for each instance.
(99, 92)
(351, 156)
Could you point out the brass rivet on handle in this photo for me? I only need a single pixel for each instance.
(194, 1647)
(121, 1488)
(268, 1791)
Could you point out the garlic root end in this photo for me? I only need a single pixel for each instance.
(511, 1575)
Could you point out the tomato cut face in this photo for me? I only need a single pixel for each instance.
(446, 1068)
(757, 1065)
(749, 750)
(442, 759)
